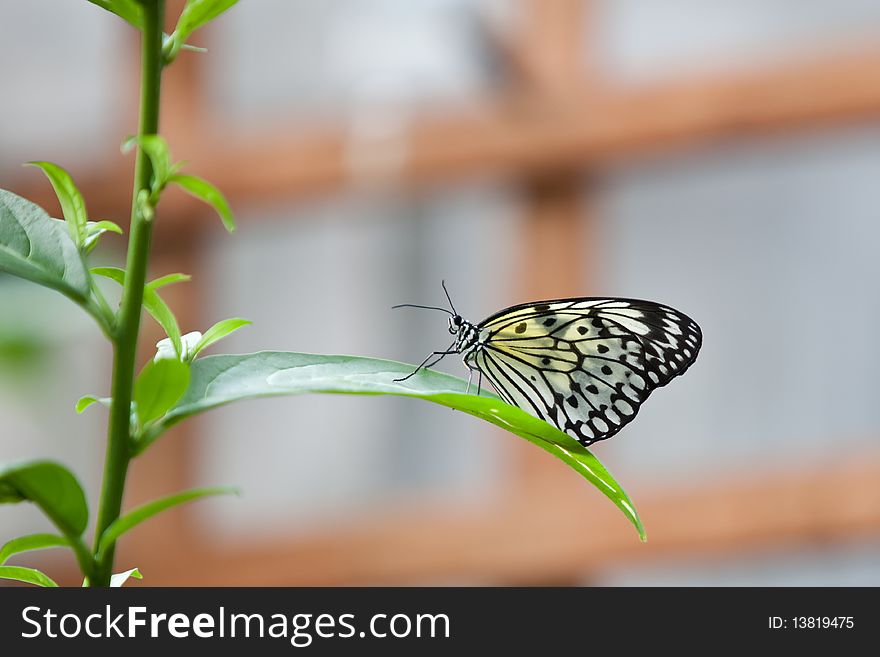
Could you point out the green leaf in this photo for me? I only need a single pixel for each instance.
(84, 402)
(206, 192)
(160, 310)
(87, 400)
(113, 273)
(156, 149)
(129, 10)
(162, 314)
(159, 385)
(53, 488)
(168, 279)
(135, 517)
(38, 248)
(73, 207)
(217, 332)
(103, 227)
(117, 580)
(9, 495)
(219, 380)
(153, 303)
(195, 14)
(94, 230)
(199, 12)
(29, 543)
(28, 575)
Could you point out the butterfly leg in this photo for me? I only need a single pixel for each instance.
(426, 365)
(471, 371)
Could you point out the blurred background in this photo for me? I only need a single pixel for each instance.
(721, 157)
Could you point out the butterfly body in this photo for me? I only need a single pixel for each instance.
(584, 364)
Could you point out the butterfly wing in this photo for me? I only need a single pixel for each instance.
(585, 365)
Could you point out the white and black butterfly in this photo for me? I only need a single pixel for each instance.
(584, 364)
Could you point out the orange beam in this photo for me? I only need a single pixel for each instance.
(511, 137)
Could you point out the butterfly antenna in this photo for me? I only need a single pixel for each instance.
(448, 298)
(413, 305)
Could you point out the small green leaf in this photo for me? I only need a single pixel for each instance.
(53, 488)
(128, 10)
(84, 402)
(145, 205)
(27, 575)
(162, 314)
(73, 207)
(117, 580)
(29, 543)
(88, 400)
(217, 332)
(158, 387)
(103, 227)
(156, 148)
(38, 248)
(168, 279)
(113, 273)
(94, 230)
(153, 303)
(206, 192)
(219, 380)
(194, 15)
(136, 516)
(199, 12)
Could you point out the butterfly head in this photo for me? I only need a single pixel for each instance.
(455, 323)
(466, 334)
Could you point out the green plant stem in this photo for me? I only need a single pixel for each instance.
(128, 324)
(103, 312)
(83, 556)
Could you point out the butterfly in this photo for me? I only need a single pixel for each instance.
(584, 364)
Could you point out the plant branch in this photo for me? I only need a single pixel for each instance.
(101, 310)
(128, 326)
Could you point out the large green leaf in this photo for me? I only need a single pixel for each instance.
(50, 486)
(219, 380)
(38, 248)
(159, 385)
